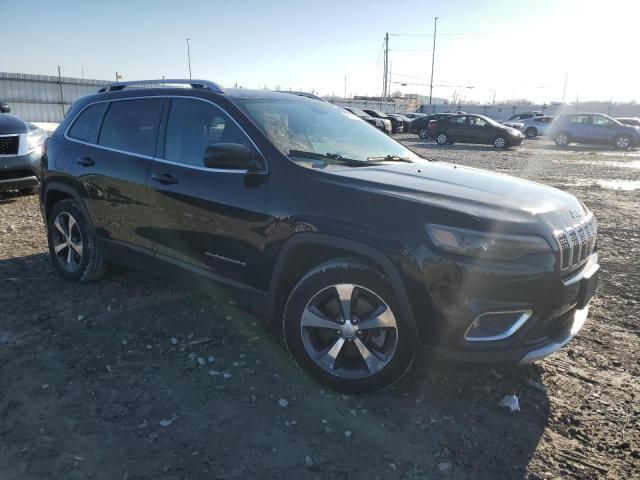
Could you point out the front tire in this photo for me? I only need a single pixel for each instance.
(72, 243)
(501, 143)
(443, 139)
(423, 133)
(622, 142)
(342, 326)
(531, 132)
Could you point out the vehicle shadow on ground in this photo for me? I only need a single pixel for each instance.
(102, 364)
(9, 197)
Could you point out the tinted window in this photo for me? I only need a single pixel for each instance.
(584, 119)
(193, 125)
(458, 120)
(602, 121)
(525, 116)
(132, 125)
(477, 122)
(87, 122)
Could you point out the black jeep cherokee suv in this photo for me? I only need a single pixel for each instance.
(368, 253)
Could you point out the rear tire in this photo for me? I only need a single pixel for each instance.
(561, 139)
(73, 248)
(531, 132)
(339, 314)
(423, 133)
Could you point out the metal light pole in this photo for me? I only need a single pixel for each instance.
(189, 57)
(433, 57)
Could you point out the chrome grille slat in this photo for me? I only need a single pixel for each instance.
(577, 242)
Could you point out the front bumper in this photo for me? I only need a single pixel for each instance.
(459, 294)
(18, 172)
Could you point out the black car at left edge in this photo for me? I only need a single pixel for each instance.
(20, 152)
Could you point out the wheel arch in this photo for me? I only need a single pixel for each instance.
(56, 191)
(327, 247)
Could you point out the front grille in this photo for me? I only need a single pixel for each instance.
(577, 242)
(553, 328)
(9, 145)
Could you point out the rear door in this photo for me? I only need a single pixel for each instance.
(580, 128)
(210, 219)
(113, 165)
(458, 129)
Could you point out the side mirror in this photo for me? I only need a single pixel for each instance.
(230, 156)
(5, 107)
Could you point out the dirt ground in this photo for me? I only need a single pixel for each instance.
(137, 377)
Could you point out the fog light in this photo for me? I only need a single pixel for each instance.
(492, 326)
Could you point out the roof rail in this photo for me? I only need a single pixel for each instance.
(197, 84)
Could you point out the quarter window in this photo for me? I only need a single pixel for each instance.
(87, 122)
(132, 125)
(194, 125)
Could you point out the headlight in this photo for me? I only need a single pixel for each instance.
(472, 243)
(35, 140)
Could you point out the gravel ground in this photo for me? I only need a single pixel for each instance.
(136, 377)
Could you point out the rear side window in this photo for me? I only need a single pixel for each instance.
(458, 120)
(193, 125)
(132, 125)
(582, 119)
(88, 122)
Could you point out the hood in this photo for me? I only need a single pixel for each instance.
(482, 194)
(10, 124)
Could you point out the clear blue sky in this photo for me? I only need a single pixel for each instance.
(518, 48)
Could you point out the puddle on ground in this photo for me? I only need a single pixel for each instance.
(626, 185)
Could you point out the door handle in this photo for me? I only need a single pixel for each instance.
(86, 161)
(164, 178)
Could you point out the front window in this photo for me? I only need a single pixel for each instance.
(602, 121)
(322, 130)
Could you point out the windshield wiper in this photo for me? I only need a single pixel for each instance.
(389, 158)
(327, 157)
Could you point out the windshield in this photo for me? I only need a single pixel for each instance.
(358, 112)
(321, 129)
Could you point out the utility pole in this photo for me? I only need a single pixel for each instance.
(433, 57)
(61, 94)
(189, 57)
(564, 90)
(386, 69)
(345, 86)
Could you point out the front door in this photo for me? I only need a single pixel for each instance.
(480, 131)
(113, 163)
(211, 219)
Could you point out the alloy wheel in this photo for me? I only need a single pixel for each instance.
(442, 139)
(500, 142)
(562, 139)
(349, 331)
(623, 142)
(422, 133)
(67, 241)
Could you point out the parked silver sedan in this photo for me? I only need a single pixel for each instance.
(536, 126)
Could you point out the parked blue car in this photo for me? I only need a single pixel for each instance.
(593, 129)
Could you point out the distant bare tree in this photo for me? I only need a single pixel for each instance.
(396, 94)
(455, 97)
